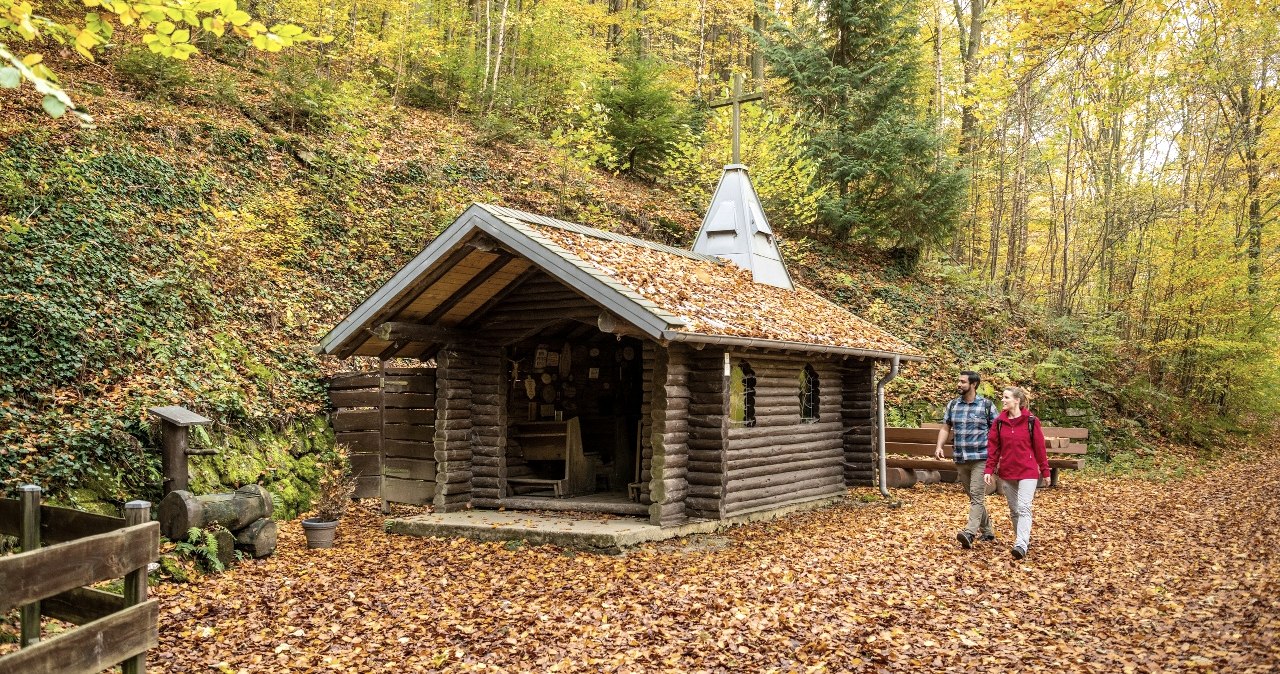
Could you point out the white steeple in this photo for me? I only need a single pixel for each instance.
(735, 228)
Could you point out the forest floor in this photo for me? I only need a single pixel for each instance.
(1124, 575)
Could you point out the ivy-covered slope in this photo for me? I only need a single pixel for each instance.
(193, 251)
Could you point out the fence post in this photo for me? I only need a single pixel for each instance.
(30, 495)
(135, 582)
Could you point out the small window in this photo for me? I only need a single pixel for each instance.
(742, 394)
(809, 394)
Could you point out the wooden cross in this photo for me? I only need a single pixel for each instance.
(736, 100)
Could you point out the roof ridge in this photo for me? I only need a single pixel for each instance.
(536, 219)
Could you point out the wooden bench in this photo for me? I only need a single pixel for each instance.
(553, 441)
(1066, 448)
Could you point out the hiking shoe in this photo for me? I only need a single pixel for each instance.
(987, 538)
(966, 539)
(1018, 552)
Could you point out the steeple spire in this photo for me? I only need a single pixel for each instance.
(735, 227)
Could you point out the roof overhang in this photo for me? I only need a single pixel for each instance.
(781, 345)
(382, 306)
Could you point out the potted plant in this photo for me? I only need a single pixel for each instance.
(332, 497)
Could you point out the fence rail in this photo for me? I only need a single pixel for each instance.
(82, 549)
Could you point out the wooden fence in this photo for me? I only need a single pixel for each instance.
(388, 420)
(81, 549)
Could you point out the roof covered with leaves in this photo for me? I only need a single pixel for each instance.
(704, 295)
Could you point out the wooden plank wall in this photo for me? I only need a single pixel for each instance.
(858, 413)
(409, 416)
(453, 432)
(357, 423)
(388, 421)
(783, 459)
(669, 464)
(489, 423)
(708, 424)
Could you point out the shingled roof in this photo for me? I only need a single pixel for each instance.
(668, 293)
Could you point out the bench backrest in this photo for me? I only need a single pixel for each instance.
(921, 441)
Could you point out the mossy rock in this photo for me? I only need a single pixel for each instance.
(284, 461)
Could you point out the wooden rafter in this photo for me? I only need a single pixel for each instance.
(438, 272)
(467, 288)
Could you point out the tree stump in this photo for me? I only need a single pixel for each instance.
(258, 539)
(181, 510)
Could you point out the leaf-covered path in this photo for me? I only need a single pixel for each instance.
(1123, 575)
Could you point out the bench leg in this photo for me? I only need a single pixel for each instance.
(1053, 477)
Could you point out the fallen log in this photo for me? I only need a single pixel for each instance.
(181, 510)
(258, 539)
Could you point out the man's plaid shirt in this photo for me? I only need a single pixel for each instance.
(970, 423)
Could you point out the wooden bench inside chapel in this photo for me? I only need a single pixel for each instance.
(1066, 448)
(556, 446)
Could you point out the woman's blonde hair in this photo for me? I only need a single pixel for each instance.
(1023, 397)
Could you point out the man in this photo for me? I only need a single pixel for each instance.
(968, 418)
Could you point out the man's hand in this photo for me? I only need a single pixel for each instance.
(987, 479)
(937, 452)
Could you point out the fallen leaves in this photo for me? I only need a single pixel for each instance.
(1189, 582)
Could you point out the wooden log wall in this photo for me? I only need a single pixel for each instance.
(648, 355)
(388, 420)
(453, 431)
(708, 387)
(669, 465)
(488, 425)
(858, 412)
(783, 459)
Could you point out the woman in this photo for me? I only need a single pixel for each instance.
(1016, 455)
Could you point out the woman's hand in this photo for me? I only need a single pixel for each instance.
(987, 479)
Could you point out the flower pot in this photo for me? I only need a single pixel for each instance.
(319, 534)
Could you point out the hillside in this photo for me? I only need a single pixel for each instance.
(193, 248)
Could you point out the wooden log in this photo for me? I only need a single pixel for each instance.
(767, 432)
(759, 487)
(258, 539)
(827, 437)
(741, 473)
(712, 479)
(707, 462)
(900, 478)
(709, 507)
(701, 409)
(784, 492)
(781, 500)
(827, 446)
(181, 510)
